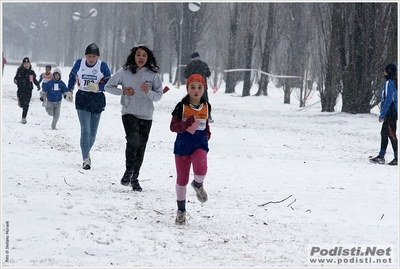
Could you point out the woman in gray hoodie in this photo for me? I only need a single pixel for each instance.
(141, 86)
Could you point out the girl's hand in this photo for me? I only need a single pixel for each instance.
(128, 91)
(190, 120)
(144, 87)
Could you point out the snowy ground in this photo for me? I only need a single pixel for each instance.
(54, 214)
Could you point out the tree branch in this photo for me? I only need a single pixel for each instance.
(272, 202)
(67, 183)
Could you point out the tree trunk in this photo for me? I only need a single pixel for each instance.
(334, 62)
(304, 85)
(288, 81)
(231, 76)
(263, 84)
(70, 60)
(393, 34)
(158, 38)
(366, 56)
(249, 50)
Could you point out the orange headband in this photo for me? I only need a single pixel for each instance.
(196, 78)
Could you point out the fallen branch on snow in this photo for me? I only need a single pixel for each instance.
(272, 202)
(67, 183)
(291, 203)
(89, 253)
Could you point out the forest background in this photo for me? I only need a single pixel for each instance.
(333, 48)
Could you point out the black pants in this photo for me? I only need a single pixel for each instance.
(24, 98)
(389, 132)
(137, 134)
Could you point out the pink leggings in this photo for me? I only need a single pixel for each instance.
(199, 161)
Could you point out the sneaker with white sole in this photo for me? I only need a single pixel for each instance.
(23, 121)
(86, 164)
(378, 159)
(180, 218)
(135, 185)
(200, 193)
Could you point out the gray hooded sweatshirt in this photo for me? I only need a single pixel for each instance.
(140, 104)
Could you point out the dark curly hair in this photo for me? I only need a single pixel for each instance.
(150, 64)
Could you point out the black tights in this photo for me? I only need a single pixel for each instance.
(389, 132)
(24, 100)
(137, 134)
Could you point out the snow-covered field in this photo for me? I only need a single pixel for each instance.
(54, 214)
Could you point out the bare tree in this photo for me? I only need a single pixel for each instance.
(289, 47)
(265, 55)
(367, 37)
(249, 37)
(233, 30)
(393, 33)
(287, 86)
(335, 59)
(216, 43)
(343, 47)
(159, 41)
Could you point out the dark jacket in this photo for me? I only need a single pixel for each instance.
(24, 80)
(197, 67)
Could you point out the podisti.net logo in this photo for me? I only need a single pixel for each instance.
(361, 255)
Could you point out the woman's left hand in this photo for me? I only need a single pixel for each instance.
(144, 87)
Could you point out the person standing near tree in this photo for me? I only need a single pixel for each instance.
(24, 79)
(4, 63)
(389, 114)
(197, 66)
(91, 75)
(141, 86)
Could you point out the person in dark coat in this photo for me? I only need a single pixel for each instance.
(4, 63)
(389, 114)
(24, 79)
(197, 66)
